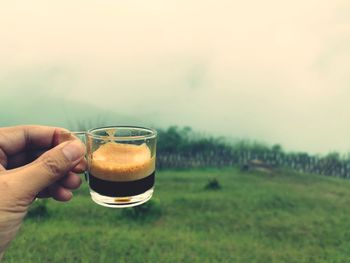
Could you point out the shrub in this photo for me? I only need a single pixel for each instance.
(213, 184)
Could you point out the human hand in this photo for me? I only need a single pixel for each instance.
(34, 163)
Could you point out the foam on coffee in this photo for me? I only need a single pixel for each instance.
(122, 162)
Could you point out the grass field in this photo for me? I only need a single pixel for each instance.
(254, 217)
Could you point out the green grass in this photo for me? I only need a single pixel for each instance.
(253, 217)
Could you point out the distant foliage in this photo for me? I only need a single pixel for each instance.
(187, 142)
(213, 184)
(184, 148)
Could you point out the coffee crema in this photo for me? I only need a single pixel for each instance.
(119, 162)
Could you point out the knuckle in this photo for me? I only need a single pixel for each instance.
(54, 166)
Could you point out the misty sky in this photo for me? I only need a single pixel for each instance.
(273, 71)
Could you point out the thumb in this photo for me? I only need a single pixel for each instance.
(50, 167)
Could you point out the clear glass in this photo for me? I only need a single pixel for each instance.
(121, 165)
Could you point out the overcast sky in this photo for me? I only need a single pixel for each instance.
(274, 71)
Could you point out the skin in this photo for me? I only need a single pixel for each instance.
(35, 162)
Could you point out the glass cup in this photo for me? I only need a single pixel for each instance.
(121, 164)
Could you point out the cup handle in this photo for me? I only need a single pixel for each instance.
(82, 136)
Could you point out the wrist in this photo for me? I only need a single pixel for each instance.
(9, 226)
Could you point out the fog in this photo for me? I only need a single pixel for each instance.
(272, 71)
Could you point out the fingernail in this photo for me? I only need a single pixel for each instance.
(74, 150)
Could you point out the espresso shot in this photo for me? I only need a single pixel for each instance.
(121, 172)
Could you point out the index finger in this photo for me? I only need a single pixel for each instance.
(14, 140)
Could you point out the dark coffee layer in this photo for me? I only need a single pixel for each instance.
(121, 189)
